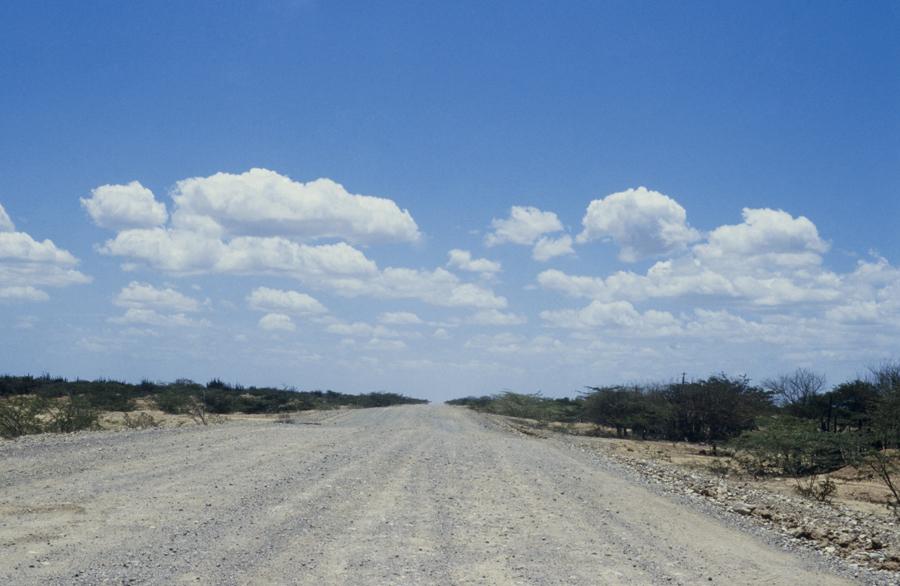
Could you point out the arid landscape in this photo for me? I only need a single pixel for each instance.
(449, 293)
(399, 495)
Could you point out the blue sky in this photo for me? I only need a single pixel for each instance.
(766, 135)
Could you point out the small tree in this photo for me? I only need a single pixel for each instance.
(715, 409)
(797, 391)
(196, 409)
(617, 407)
(849, 406)
(886, 379)
(885, 468)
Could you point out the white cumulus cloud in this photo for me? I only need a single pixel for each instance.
(438, 287)
(571, 285)
(27, 264)
(546, 247)
(642, 223)
(261, 222)
(190, 252)
(441, 334)
(20, 247)
(261, 202)
(380, 344)
(766, 237)
(620, 316)
(276, 322)
(361, 329)
(143, 295)
(770, 259)
(124, 206)
(494, 317)
(22, 294)
(400, 318)
(462, 259)
(6, 224)
(287, 302)
(524, 226)
(151, 306)
(151, 317)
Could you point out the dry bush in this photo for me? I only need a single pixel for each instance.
(720, 468)
(813, 488)
(886, 469)
(140, 421)
(285, 418)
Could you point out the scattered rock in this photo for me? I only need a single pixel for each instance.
(832, 528)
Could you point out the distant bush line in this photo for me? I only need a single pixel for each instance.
(720, 408)
(707, 410)
(34, 404)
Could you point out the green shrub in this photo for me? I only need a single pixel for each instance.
(107, 396)
(788, 446)
(472, 402)
(21, 415)
(526, 406)
(172, 402)
(218, 400)
(72, 414)
(519, 405)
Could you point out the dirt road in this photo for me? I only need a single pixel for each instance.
(405, 495)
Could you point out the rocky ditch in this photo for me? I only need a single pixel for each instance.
(861, 539)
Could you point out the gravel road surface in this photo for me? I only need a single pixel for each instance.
(403, 495)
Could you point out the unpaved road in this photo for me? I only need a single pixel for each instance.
(405, 495)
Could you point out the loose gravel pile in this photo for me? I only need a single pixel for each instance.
(837, 530)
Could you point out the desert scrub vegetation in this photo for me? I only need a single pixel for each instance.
(783, 445)
(39, 404)
(23, 415)
(816, 488)
(527, 406)
(856, 424)
(139, 421)
(711, 410)
(219, 398)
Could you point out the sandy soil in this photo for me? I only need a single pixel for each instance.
(857, 489)
(404, 495)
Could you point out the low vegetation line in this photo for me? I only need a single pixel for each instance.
(42, 404)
